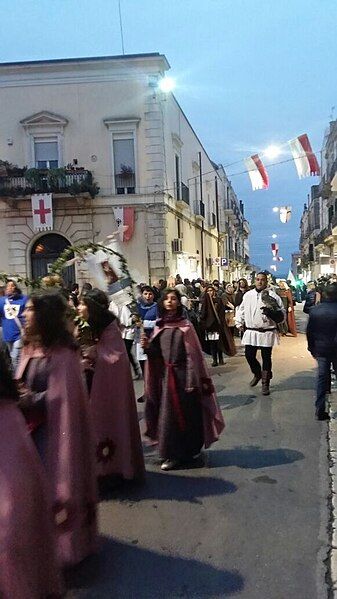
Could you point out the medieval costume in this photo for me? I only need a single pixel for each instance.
(181, 410)
(289, 325)
(112, 398)
(28, 567)
(213, 323)
(57, 414)
(113, 409)
(260, 318)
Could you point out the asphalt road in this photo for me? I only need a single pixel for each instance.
(250, 524)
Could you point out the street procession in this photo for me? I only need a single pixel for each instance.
(168, 301)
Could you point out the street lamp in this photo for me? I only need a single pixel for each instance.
(274, 236)
(167, 84)
(275, 209)
(272, 152)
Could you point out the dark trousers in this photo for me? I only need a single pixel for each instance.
(215, 351)
(255, 366)
(324, 380)
(128, 345)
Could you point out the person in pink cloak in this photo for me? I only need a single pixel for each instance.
(119, 450)
(54, 401)
(181, 409)
(28, 567)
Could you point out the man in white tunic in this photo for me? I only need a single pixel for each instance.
(258, 315)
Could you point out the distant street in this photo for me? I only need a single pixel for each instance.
(250, 524)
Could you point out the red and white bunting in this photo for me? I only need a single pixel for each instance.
(125, 219)
(42, 210)
(257, 172)
(304, 158)
(285, 214)
(274, 249)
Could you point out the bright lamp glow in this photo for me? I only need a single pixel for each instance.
(167, 84)
(272, 152)
(275, 209)
(274, 236)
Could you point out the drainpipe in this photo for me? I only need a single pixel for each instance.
(217, 219)
(202, 224)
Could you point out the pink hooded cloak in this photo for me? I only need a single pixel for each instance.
(69, 458)
(28, 567)
(197, 378)
(113, 410)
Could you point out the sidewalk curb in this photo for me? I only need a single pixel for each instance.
(332, 500)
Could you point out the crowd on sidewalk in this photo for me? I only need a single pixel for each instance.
(69, 425)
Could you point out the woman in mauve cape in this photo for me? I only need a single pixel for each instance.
(287, 299)
(181, 410)
(113, 408)
(28, 567)
(54, 400)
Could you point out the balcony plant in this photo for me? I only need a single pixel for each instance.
(126, 172)
(11, 170)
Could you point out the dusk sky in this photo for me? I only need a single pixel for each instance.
(249, 74)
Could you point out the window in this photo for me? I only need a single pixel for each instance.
(124, 165)
(124, 154)
(46, 153)
(177, 175)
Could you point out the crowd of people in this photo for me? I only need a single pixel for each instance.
(69, 423)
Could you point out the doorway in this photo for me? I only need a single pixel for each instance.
(45, 251)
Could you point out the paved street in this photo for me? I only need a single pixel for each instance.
(251, 524)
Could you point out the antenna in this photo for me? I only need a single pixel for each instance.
(332, 113)
(121, 24)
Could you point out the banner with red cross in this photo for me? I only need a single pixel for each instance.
(42, 210)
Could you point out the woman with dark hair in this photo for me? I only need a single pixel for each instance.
(213, 323)
(54, 401)
(112, 398)
(243, 287)
(181, 410)
(27, 549)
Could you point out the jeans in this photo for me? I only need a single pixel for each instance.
(323, 380)
(14, 348)
(255, 366)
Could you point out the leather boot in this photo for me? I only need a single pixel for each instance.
(255, 380)
(265, 382)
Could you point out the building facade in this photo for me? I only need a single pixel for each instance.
(99, 135)
(318, 240)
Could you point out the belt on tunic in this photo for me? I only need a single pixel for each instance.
(172, 389)
(260, 330)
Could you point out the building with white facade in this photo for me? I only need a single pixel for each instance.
(99, 135)
(318, 241)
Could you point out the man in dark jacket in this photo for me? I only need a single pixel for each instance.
(322, 344)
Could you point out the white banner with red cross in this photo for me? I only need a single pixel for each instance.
(42, 210)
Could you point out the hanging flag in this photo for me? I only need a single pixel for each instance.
(285, 214)
(125, 219)
(274, 249)
(42, 210)
(304, 158)
(257, 172)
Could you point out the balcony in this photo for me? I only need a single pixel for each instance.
(57, 181)
(323, 235)
(125, 183)
(182, 195)
(199, 209)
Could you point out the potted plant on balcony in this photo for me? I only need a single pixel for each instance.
(126, 172)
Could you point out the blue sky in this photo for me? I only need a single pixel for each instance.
(249, 74)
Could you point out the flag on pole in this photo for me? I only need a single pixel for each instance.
(125, 219)
(42, 211)
(285, 214)
(274, 249)
(257, 172)
(304, 158)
